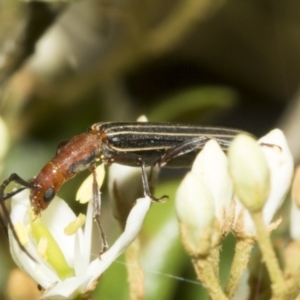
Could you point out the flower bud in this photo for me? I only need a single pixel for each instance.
(196, 214)
(249, 171)
(211, 166)
(280, 164)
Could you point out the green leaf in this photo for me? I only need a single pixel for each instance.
(195, 101)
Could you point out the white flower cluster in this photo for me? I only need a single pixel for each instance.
(255, 175)
(238, 194)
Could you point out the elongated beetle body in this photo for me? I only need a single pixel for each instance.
(129, 143)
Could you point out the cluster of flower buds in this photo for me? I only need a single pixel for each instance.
(238, 194)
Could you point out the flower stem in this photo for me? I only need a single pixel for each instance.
(243, 249)
(215, 259)
(206, 274)
(268, 253)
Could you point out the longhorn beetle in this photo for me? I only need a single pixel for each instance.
(137, 144)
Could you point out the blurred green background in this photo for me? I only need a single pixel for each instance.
(67, 65)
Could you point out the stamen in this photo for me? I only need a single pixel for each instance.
(75, 225)
(21, 233)
(42, 247)
(85, 192)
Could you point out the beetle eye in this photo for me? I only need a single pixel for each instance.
(49, 195)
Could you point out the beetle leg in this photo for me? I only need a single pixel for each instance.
(189, 146)
(97, 209)
(146, 187)
(16, 178)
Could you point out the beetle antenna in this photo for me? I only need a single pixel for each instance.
(6, 215)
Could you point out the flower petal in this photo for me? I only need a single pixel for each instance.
(56, 217)
(133, 227)
(68, 289)
(281, 165)
(87, 239)
(39, 270)
(50, 250)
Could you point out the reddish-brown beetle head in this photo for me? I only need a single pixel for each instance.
(71, 158)
(45, 186)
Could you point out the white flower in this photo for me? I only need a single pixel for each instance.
(74, 273)
(194, 206)
(196, 214)
(211, 166)
(280, 164)
(205, 195)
